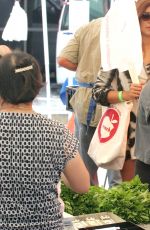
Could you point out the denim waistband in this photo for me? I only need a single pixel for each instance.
(86, 85)
(92, 104)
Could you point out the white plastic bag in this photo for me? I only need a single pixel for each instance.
(108, 145)
(17, 25)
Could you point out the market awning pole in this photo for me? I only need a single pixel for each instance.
(46, 54)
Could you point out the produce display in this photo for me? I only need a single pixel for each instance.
(129, 200)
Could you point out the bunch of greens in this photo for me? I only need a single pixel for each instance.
(129, 200)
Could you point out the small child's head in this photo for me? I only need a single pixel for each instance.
(4, 50)
(20, 77)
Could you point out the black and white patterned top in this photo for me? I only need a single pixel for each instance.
(33, 153)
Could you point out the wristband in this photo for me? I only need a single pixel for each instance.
(120, 96)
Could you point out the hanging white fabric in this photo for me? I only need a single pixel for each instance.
(16, 28)
(120, 39)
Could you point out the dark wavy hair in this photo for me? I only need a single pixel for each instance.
(23, 85)
(141, 6)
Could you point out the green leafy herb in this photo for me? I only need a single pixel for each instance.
(129, 200)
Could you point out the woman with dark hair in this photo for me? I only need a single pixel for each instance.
(114, 87)
(34, 151)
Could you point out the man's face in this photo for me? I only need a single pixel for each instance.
(145, 23)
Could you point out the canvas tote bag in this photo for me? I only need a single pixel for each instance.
(108, 145)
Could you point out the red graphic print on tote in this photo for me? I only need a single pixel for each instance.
(108, 125)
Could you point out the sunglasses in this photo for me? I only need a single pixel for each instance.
(145, 16)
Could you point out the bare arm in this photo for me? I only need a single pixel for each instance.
(76, 175)
(68, 57)
(64, 62)
(133, 93)
(104, 90)
(64, 179)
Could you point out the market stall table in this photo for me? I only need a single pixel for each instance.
(90, 220)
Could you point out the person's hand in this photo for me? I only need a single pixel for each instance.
(133, 93)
